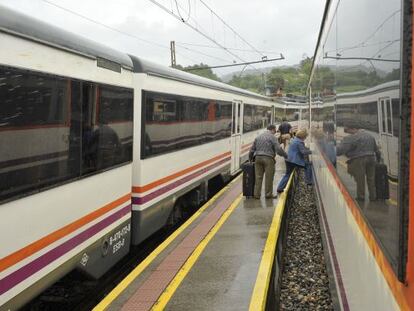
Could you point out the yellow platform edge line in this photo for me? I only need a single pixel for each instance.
(261, 287)
(104, 304)
(182, 273)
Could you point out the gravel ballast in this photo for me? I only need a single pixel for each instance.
(305, 282)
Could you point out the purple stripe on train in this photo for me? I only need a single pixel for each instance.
(36, 265)
(156, 193)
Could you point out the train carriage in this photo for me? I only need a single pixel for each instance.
(361, 83)
(101, 149)
(192, 130)
(65, 158)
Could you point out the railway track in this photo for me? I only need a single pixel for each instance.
(76, 291)
(305, 281)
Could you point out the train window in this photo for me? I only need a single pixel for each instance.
(106, 127)
(35, 132)
(383, 116)
(33, 100)
(366, 125)
(115, 105)
(292, 115)
(279, 115)
(367, 116)
(255, 117)
(172, 122)
(389, 115)
(58, 129)
(164, 111)
(396, 117)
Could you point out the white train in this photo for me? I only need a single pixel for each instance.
(376, 110)
(100, 150)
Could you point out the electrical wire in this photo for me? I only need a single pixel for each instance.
(189, 11)
(201, 53)
(202, 33)
(106, 26)
(234, 31)
(197, 30)
(229, 48)
(116, 30)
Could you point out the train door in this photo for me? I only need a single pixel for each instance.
(386, 134)
(236, 131)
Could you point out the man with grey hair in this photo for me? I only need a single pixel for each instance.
(361, 150)
(264, 148)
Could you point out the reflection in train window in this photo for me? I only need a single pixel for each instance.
(174, 122)
(106, 139)
(115, 104)
(32, 100)
(255, 117)
(34, 131)
(46, 121)
(389, 114)
(164, 111)
(365, 95)
(396, 117)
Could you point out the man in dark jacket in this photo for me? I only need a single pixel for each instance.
(264, 148)
(361, 150)
(285, 130)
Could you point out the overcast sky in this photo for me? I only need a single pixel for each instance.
(275, 26)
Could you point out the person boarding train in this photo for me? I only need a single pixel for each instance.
(298, 156)
(264, 149)
(285, 130)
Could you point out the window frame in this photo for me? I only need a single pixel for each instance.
(63, 181)
(178, 97)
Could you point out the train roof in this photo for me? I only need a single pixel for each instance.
(143, 66)
(386, 86)
(25, 26)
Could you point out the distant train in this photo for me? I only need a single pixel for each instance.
(101, 149)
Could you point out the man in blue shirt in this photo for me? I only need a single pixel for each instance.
(297, 157)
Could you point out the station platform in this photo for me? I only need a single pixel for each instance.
(219, 259)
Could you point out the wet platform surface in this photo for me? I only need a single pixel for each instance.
(205, 267)
(224, 276)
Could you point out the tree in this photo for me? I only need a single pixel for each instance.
(200, 70)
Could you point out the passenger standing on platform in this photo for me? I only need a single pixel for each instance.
(361, 150)
(264, 148)
(298, 156)
(285, 130)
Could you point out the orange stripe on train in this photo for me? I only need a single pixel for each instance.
(34, 247)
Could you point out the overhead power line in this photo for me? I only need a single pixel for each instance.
(364, 42)
(115, 29)
(201, 53)
(106, 26)
(363, 58)
(189, 11)
(238, 64)
(197, 30)
(234, 31)
(229, 48)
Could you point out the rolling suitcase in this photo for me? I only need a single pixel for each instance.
(381, 182)
(248, 179)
